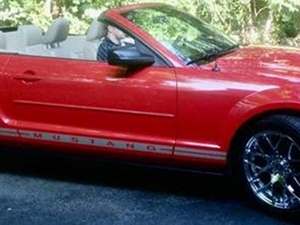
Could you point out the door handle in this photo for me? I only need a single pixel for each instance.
(28, 77)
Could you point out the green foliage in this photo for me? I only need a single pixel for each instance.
(250, 21)
(17, 12)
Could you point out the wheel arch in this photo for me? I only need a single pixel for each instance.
(231, 157)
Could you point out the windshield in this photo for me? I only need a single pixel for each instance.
(182, 34)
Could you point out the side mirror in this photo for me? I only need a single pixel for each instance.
(129, 57)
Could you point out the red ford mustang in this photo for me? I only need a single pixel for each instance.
(183, 95)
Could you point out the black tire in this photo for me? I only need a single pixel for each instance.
(289, 127)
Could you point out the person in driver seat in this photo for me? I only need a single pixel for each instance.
(114, 38)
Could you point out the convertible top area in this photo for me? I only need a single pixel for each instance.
(56, 42)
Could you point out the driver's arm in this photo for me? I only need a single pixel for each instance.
(127, 41)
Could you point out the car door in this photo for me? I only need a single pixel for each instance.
(77, 97)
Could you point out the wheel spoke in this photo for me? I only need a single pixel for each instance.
(258, 146)
(291, 146)
(265, 169)
(297, 148)
(296, 180)
(258, 154)
(252, 164)
(262, 155)
(269, 141)
(278, 143)
(258, 174)
(265, 187)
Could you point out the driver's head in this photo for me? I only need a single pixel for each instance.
(116, 32)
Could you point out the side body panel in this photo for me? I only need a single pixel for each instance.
(205, 103)
(86, 99)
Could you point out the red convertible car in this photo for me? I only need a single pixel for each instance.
(178, 94)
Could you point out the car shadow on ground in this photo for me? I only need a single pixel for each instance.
(208, 188)
(82, 171)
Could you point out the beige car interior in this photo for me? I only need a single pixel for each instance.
(55, 42)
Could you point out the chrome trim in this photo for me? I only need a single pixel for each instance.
(200, 153)
(8, 132)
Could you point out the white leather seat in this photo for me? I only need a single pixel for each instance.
(74, 45)
(38, 50)
(30, 35)
(57, 32)
(51, 41)
(13, 42)
(94, 36)
(56, 42)
(2, 41)
(96, 31)
(26, 35)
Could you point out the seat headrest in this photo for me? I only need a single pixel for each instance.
(2, 40)
(96, 31)
(57, 32)
(31, 35)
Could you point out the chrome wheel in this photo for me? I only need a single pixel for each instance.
(272, 167)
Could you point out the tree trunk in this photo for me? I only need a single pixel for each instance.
(268, 29)
(53, 8)
(253, 12)
(48, 7)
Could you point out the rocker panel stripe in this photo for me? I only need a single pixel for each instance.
(113, 144)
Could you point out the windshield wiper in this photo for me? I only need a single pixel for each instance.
(213, 55)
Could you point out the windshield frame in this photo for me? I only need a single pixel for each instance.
(187, 17)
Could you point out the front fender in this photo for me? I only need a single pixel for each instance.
(257, 105)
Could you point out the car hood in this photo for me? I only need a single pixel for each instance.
(275, 63)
